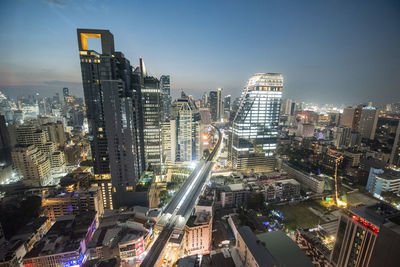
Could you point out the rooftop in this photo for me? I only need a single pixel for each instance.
(377, 213)
(261, 255)
(284, 249)
(64, 236)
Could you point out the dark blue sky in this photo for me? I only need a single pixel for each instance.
(329, 51)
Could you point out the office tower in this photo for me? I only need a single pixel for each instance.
(151, 97)
(166, 141)
(188, 129)
(342, 137)
(213, 105)
(65, 92)
(32, 164)
(5, 145)
(110, 100)
(367, 122)
(395, 154)
(204, 101)
(368, 236)
(286, 106)
(165, 86)
(220, 105)
(255, 126)
(227, 102)
(351, 117)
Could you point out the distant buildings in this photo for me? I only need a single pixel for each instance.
(187, 120)
(165, 86)
(368, 121)
(361, 119)
(368, 236)
(255, 126)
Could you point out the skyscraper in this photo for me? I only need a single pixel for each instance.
(65, 92)
(165, 86)
(255, 126)
(150, 111)
(213, 105)
(188, 129)
(110, 100)
(5, 145)
(367, 123)
(220, 105)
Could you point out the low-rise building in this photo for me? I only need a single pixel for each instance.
(234, 195)
(383, 180)
(65, 243)
(70, 203)
(310, 181)
(12, 251)
(282, 190)
(198, 233)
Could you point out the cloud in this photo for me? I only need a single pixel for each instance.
(56, 3)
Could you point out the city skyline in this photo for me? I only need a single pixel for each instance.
(342, 59)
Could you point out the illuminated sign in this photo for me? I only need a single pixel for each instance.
(365, 224)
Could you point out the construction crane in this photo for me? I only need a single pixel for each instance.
(338, 159)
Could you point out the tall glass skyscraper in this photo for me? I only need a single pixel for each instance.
(165, 86)
(111, 102)
(255, 126)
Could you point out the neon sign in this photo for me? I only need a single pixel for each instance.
(365, 224)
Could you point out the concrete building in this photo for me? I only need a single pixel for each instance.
(383, 180)
(282, 190)
(255, 125)
(5, 143)
(368, 122)
(55, 131)
(233, 195)
(305, 130)
(198, 234)
(309, 181)
(13, 250)
(72, 203)
(65, 243)
(368, 236)
(119, 235)
(32, 164)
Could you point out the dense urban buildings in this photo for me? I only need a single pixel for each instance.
(178, 164)
(255, 126)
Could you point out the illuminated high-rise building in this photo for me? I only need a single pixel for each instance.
(151, 112)
(188, 130)
(165, 86)
(255, 126)
(111, 102)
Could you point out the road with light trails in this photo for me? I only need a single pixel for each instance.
(180, 207)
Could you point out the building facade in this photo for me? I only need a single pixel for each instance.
(255, 126)
(198, 234)
(111, 102)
